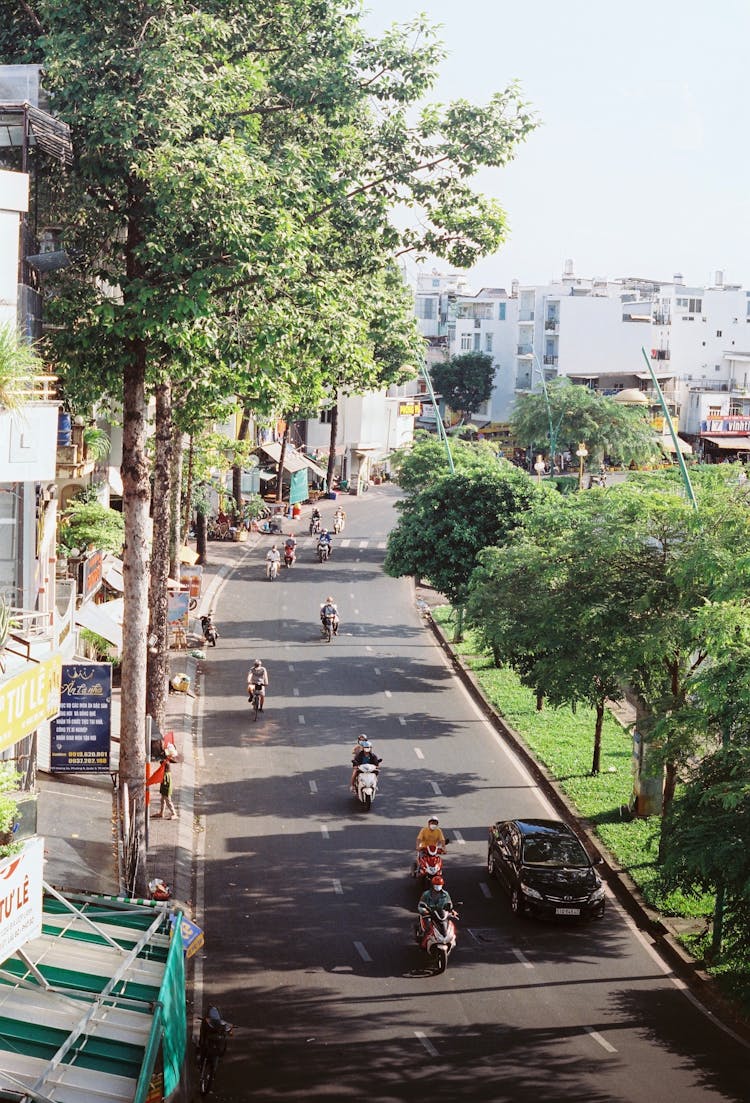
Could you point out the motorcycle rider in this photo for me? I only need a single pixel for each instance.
(431, 835)
(257, 675)
(364, 756)
(213, 1035)
(315, 520)
(435, 898)
(325, 538)
(328, 609)
(339, 519)
(273, 555)
(290, 547)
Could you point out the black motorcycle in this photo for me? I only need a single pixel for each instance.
(210, 631)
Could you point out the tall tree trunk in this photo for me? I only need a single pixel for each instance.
(201, 535)
(670, 784)
(282, 456)
(539, 701)
(242, 434)
(187, 511)
(596, 762)
(136, 500)
(175, 504)
(332, 445)
(158, 651)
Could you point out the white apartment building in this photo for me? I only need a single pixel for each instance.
(595, 331)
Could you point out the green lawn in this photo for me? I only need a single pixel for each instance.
(563, 741)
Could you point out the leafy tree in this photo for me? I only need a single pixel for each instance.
(465, 381)
(91, 523)
(443, 528)
(580, 414)
(418, 465)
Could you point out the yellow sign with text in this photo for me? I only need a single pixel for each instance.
(28, 699)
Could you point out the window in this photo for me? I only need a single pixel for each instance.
(477, 342)
(425, 307)
(718, 333)
(488, 342)
(695, 306)
(326, 416)
(714, 411)
(501, 311)
(466, 342)
(735, 407)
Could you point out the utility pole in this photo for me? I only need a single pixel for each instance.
(438, 419)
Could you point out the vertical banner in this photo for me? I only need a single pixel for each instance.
(82, 731)
(298, 488)
(21, 897)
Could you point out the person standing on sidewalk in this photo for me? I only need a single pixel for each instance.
(166, 788)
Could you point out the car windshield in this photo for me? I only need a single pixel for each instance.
(540, 850)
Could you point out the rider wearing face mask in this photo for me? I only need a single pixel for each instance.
(436, 898)
(364, 756)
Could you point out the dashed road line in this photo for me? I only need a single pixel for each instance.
(418, 753)
(313, 786)
(345, 543)
(486, 890)
(376, 669)
(436, 789)
(598, 1038)
(363, 543)
(324, 831)
(420, 1034)
(523, 959)
(291, 666)
(459, 838)
(295, 691)
(382, 545)
(402, 721)
(337, 887)
(359, 947)
(388, 693)
(301, 718)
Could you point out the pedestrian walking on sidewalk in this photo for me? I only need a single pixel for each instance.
(166, 788)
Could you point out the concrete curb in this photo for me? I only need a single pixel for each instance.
(649, 921)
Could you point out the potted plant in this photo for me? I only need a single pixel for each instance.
(96, 443)
(18, 365)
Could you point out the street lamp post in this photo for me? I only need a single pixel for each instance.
(539, 468)
(582, 452)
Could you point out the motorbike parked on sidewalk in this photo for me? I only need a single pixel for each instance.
(366, 784)
(211, 1046)
(210, 631)
(439, 940)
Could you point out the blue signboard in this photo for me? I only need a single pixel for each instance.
(81, 733)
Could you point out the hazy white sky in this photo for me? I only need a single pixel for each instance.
(641, 165)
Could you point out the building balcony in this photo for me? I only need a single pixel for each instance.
(526, 316)
(551, 360)
(660, 354)
(73, 461)
(525, 350)
(526, 321)
(552, 323)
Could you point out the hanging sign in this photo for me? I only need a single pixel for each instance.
(21, 897)
(28, 699)
(81, 733)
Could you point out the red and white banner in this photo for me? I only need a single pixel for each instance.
(21, 897)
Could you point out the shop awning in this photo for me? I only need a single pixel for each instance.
(127, 973)
(668, 445)
(293, 460)
(112, 573)
(105, 619)
(729, 444)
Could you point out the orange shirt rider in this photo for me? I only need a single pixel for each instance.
(431, 835)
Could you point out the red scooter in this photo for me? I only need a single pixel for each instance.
(429, 863)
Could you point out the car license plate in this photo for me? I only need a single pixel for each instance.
(567, 911)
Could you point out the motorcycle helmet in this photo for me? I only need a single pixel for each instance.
(362, 738)
(257, 663)
(432, 819)
(438, 882)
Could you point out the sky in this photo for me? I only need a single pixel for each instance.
(641, 163)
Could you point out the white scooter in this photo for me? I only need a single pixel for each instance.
(367, 784)
(272, 569)
(440, 939)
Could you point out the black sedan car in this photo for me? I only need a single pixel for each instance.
(545, 869)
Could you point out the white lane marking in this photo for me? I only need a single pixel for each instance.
(357, 611)
(358, 946)
(459, 838)
(351, 596)
(436, 789)
(363, 543)
(388, 693)
(345, 543)
(291, 666)
(382, 545)
(376, 669)
(486, 890)
(367, 647)
(337, 887)
(418, 753)
(313, 786)
(523, 959)
(598, 1038)
(420, 1034)
(301, 718)
(324, 831)
(402, 721)
(295, 691)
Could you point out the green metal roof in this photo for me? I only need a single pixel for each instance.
(86, 1006)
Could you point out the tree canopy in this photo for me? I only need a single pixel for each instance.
(465, 381)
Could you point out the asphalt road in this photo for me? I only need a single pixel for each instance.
(308, 902)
